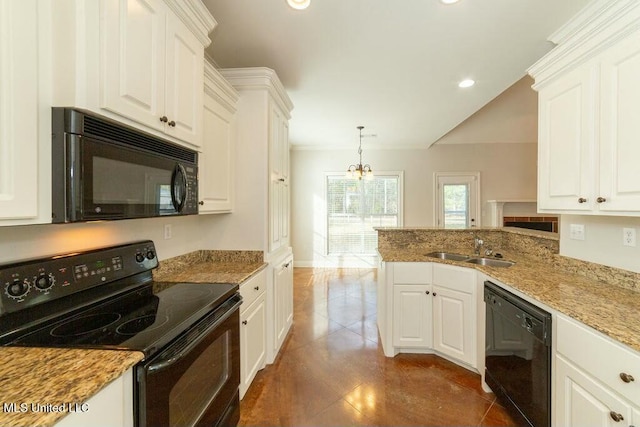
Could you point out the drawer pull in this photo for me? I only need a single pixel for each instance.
(627, 378)
(616, 416)
(244, 322)
(427, 292)
(582, 200)
(257, 288)
(601, 200)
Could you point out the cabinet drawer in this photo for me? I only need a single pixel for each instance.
(251, 289)
(457, 278)
(411, 273)
(599, 356)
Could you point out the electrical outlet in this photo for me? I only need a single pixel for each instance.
(167, 231)
(576, 231)
(629, 236)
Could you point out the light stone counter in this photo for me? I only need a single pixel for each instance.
(53, 376)
(604, 298)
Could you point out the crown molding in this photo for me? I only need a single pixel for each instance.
(195, 16)
(259, 78)
(595, 28)
(216, 86)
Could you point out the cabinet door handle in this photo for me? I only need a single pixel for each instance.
(257, 288)
(434, 294)
(601, 200)
(627, 378)
(172, 124)
(582, 200)
(427, 292)
(281, 179)
(616, 416)
(286, 265)
(164, 119)
(201, 203)
(244, 322)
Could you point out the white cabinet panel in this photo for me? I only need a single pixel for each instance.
(620, 127)
(283, 300)
(19, 110)
(253, 342)
(453, 314)
(583, 402)
(133, 59)
(565, 142)
(412, 316)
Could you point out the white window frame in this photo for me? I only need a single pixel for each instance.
(398, 174)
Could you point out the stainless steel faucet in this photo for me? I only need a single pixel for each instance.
(477, 244)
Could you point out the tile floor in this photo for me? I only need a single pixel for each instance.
(331, 370)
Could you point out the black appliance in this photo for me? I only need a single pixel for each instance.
(518, 355)
(104, 170)
(107, 299)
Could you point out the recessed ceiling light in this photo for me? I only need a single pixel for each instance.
(466, 83)
(449, 1)
(301, 4)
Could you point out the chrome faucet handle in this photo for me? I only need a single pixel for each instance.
(488, 252)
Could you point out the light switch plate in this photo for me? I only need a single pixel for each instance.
(576, 231)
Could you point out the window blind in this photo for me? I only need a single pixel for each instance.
(355, 207)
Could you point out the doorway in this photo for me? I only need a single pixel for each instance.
(457, 199)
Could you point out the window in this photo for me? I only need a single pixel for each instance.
(355, 207)
(456, 199)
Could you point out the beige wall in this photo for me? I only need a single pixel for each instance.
(508, 171)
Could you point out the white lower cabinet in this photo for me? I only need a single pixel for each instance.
(253, 329)
(454, 332)
(112, 406)
(412, 316)
(432, 307)
(283, 300)
(596, 381)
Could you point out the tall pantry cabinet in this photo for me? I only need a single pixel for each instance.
(262, 204)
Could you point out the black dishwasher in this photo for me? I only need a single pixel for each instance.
(518, 355)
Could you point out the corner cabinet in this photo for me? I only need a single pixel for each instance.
(217, 159)
(253, 329)
(428, 307)
(25, 123)
(589, 96)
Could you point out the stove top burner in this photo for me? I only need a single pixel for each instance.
(140, 324)
(85, 324)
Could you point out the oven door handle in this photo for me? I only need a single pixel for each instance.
(165, 363)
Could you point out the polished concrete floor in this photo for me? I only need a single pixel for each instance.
(331, 370)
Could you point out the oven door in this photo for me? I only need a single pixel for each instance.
(194, 381)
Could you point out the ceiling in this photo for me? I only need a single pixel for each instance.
(390, 66)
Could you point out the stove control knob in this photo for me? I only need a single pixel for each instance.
(139, 257)
(17, 289)
(151, 254)
(44, 282)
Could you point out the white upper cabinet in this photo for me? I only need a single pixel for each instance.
(217, 159)
(152, 66)
(137, 61)
(25, 113)
(589, 98)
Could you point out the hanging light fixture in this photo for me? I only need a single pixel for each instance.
(360, 170)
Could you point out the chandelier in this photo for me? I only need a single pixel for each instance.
(360, 170)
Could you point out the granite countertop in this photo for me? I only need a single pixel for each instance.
(53, 376)
(610, 309)
(56, 376)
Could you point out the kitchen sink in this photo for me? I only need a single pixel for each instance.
(491, 262)
(448, 255)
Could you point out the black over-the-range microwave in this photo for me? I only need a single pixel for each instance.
(105, 170)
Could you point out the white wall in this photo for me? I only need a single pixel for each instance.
(34, 241)
(508, 171)
(603, 241)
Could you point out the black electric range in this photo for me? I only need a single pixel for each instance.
(107, 299)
